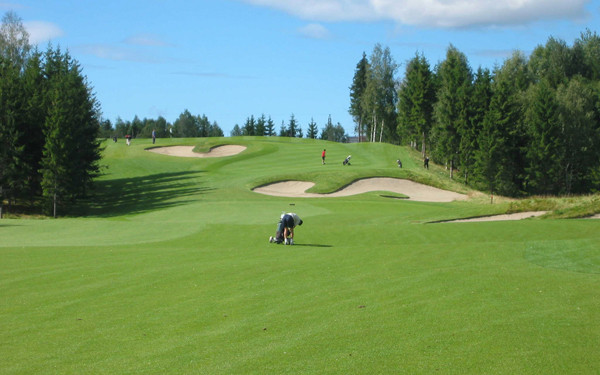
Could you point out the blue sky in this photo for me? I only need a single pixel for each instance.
(229, 59)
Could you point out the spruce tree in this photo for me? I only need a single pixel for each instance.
(249, 126)
(312, 129)
(451, 111)
(497, 157)
(292, 129)
(270, 127)
(260, 125)
(479, 105)
(55, 164)
(545, 152)
(236, 131)
(416, 97)
(11, 150)
(32, 122)
(71, 151)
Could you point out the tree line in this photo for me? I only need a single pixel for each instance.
(263, 126)
(185, 126)
(49, 121)
(190, 126)
(529, 126)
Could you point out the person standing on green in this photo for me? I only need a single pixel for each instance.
(323, 156)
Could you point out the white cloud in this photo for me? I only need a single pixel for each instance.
(432, 13)
(41, 32)
(116, 53)
(323, 10)
(11, 6)
(147, 40)
(315, 31)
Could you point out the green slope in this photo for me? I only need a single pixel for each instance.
(167, 270)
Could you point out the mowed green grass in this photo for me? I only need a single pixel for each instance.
(167, 270)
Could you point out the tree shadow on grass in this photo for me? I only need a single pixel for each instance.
(136, 195)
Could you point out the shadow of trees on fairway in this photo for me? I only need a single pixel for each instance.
(136, 195)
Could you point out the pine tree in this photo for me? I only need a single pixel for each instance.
(312, 129)
(249, 126)
(452, 108)
(515, 78)
(292, 128)
(283, 130)
(270, 128)
(261, 125)
(215, 130)
(479, 105)
(416, 97)
(55, 164)
(11, 151)
(203, 126)
(236, 131)
(545, 151)
(14, 52)
(71, 151)
(487, 159)
(496, 162)
(185, 126)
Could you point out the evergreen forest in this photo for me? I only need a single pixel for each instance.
(528, 127)
(49, 121)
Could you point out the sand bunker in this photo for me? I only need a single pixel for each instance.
(187, 151)
(414, 190)
(515, 216)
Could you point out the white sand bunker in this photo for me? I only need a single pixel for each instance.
(187, 151)
(515, 216)
(414, 190)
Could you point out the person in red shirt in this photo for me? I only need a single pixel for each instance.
(323, 156)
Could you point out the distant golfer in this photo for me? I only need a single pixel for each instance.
(399, 163)
(285, 229)
(153, 136)
(426, 162)
(323, 156)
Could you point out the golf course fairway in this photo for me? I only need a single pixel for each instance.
(167, 269)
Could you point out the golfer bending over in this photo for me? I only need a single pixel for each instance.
(285, 229)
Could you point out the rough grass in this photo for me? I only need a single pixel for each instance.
(167, 270)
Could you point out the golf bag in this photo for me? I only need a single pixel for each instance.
(347, 160)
